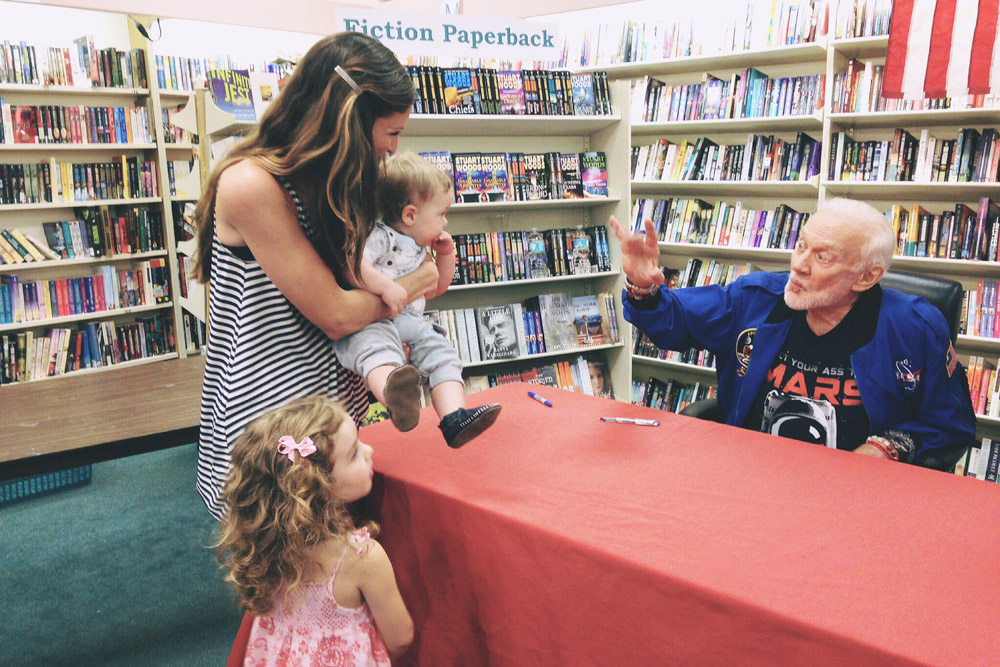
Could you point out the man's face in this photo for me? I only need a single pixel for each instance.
(502, 330)
(826, 265)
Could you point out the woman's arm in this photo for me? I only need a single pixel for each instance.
(251, 209)
(378, 586)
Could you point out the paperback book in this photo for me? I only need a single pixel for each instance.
(231, 92)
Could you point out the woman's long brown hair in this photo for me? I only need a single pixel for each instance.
(319, 129)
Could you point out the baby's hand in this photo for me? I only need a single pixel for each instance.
(395, 297)
(443, 244)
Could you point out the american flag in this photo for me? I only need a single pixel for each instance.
(942, 48)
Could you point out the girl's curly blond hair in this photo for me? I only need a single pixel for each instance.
(278, 509)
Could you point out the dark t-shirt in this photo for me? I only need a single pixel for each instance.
(810, 393)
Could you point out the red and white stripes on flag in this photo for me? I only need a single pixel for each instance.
(942, 48)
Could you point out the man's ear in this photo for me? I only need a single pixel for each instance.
(868, 278)
(408, 215)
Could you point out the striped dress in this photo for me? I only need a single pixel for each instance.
(262, 353)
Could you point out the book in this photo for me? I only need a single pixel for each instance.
(263, 89)
(468, 177)
(498, 338)
(571, 183)
(538, 178)
(587, 321)
(583, 94)
(231, 92)
(594, 174)
(557, 321)
(441, 160)
(25, 124)
(458, 92)
(495, 177)
(511, 91)
(600, 378)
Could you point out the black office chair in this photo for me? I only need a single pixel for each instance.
(943, 293)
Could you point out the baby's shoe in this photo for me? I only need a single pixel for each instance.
(402, 397)
(462, 425)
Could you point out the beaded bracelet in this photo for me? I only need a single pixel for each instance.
(637, 293)
(885, 446)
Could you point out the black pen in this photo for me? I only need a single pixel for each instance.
(629, 420)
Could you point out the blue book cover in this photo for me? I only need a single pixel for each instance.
(231, 92)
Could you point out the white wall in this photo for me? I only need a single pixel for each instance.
(41, 25)
(711, 21)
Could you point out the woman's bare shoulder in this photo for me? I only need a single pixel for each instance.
(250, 197)
(247, 180)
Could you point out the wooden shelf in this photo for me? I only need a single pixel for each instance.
(967, 343)
(80, 317)
(922, 118)
(114, 148)
(920, 191)
(486, 207)
(778, 55)
(707, 373)
(861, 47)
(79, 204)
(544, 355)
(736, 253)
(79, 261)
(174, 97)
(72, 90)
(437, 125)
(534, 281)
(767, 124)
(101, 369)
(742, 188)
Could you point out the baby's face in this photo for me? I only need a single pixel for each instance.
(431, 218)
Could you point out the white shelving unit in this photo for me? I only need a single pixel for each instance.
(536, 134)
(30, 217)
(830, 58)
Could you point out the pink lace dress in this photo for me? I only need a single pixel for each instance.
(319, 632)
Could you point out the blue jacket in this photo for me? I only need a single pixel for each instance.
(907, 373)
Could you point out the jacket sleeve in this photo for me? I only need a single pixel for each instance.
(689, 317)
(942, 423)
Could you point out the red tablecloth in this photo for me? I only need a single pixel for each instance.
(558, 539)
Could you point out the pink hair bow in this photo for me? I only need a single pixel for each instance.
(288, 446)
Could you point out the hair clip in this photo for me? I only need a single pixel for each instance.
(347, 77)
(288, 446)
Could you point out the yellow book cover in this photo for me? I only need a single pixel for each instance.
(28, 245)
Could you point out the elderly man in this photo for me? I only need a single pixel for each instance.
(822, 354)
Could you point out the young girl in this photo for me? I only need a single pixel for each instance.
(321, 591)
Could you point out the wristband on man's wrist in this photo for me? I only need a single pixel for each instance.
(884, 445)
(638, 293)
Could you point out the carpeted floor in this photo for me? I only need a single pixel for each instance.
(116, 572)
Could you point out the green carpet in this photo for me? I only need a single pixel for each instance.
(116, 572)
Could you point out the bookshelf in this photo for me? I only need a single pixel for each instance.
(201, 117)
(32, 218)
(495, 133)
(829, 57)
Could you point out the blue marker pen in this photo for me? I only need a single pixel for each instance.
(539, 399)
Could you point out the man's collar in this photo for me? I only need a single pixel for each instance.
(863, 316)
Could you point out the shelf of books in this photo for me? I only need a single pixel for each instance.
(536, 292)
(791, 54)
(86, 259)
(932, 165)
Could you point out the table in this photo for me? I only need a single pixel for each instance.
(90, 417)
(558, 539)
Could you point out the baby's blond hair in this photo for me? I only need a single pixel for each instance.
(407, 178)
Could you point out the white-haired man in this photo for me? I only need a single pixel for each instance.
(821, 354)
